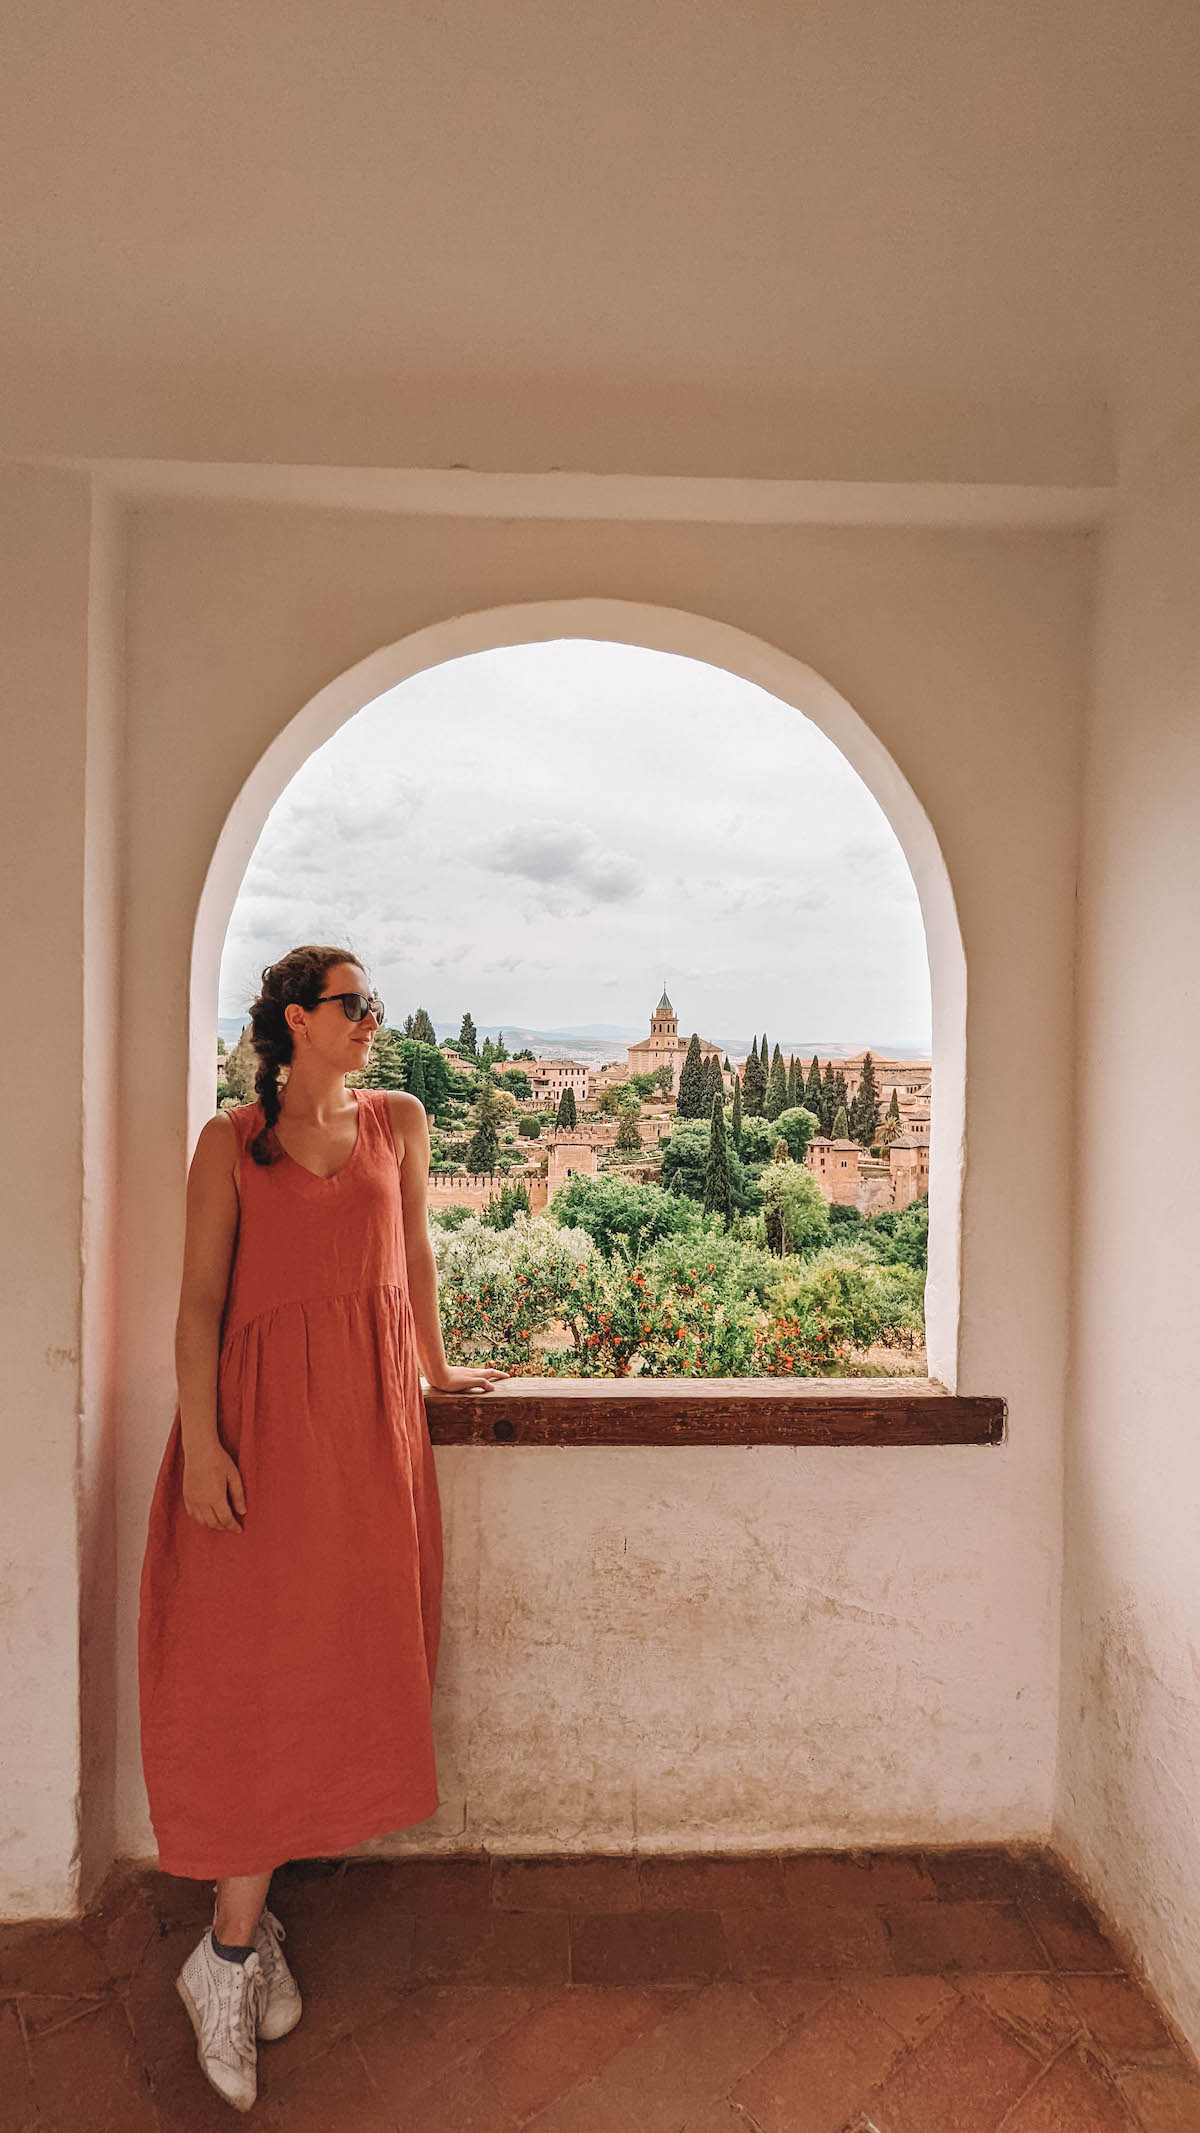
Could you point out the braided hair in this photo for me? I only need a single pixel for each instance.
(299, 978)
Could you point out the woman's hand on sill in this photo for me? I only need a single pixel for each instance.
(467, 1378)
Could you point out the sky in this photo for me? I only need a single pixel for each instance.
(545, 834)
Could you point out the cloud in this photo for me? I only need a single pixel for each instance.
(567, 858)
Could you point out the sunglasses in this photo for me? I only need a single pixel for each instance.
(356, 1005)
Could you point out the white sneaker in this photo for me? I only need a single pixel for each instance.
(281, 2007)
(224, 2001)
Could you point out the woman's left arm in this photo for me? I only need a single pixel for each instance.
(413, 1128)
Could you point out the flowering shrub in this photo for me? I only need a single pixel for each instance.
(538, 1299)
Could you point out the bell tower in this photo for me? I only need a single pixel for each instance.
(664, 1025)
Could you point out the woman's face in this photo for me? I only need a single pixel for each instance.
(331, 1035)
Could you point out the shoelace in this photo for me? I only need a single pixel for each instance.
(273, 1932)
(244, 1995)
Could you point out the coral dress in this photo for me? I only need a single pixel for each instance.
(286, 1672)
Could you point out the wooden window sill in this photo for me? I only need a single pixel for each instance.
(716, 1411)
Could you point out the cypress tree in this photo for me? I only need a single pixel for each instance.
(841, 1124)
(864, 1117)
(753, 1084)
(795, 1083)
(735, 1119)
(715, 1085)
(485, 1141)
(468, 1040)
(629, 1140)
(812, 1088)
(567, 1114)
(718, 1185)
(843, 1095)
(416, 1079)
(419, 1027)
(829, 1098)
(690, 1101)
(776, 1097)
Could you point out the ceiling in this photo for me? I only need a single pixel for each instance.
(868, 239)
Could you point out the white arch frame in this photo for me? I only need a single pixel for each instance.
(696, 637)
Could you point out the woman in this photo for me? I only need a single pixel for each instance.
(290, 1603)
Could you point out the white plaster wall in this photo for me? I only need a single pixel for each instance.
(726, 1647)
(44, 566)
(1129, 1806)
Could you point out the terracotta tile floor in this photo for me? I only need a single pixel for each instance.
(923, 1992)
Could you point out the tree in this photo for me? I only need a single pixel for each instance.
(811, 1098)
(791, 1192)
(517, 1082)
(566, 1114)
(435, 1073)
(419, 1027)
(689, 1102)
(468, 1041)
(893, 1125)
(488, 1055)
(753, 1084)
(501, 1051)
(241, 1066)
(487, 1115)
(795, 1084)
(776, 1099)
(843, 1093)
(629, 1140)
(416, 1080)
(612, 1206)
(685, 1155)
(529, 1128)
(735, 1118)
(714, 1084)
(665, 1079)
(864, 1112)
(829, 1098)
(502, 1209)
(611, 1098)
(841, 1124)
(718, 1185)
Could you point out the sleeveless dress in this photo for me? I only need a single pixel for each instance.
(286, 1672)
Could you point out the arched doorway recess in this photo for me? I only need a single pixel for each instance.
(695, 637)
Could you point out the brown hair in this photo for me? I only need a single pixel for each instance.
(297, 977)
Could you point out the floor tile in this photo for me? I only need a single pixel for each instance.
(434, 2028)
(16, 2087)
(989, 1874)
(856, 1878)
(1037, 2008)
(786, 1943)
(908, 2004)
(962, 1936)
(421, 1885)
(566, 1884)
(1072, 1938)
(1076, 2095)
(694, 2057)
(1120, 2018)
(332, 2095)
(792, 1999)
(1164, 2102)
(648, 1948)
(816, 2079)
(570, 2037)
(90, 2073)
(43, 1957)
(705, 1884)
(491, 1948)
(960, 2078)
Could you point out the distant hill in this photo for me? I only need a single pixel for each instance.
(600, 1041)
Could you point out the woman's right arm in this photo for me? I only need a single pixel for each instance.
(210, 1475)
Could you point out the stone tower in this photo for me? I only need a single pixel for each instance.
(664, 1027)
